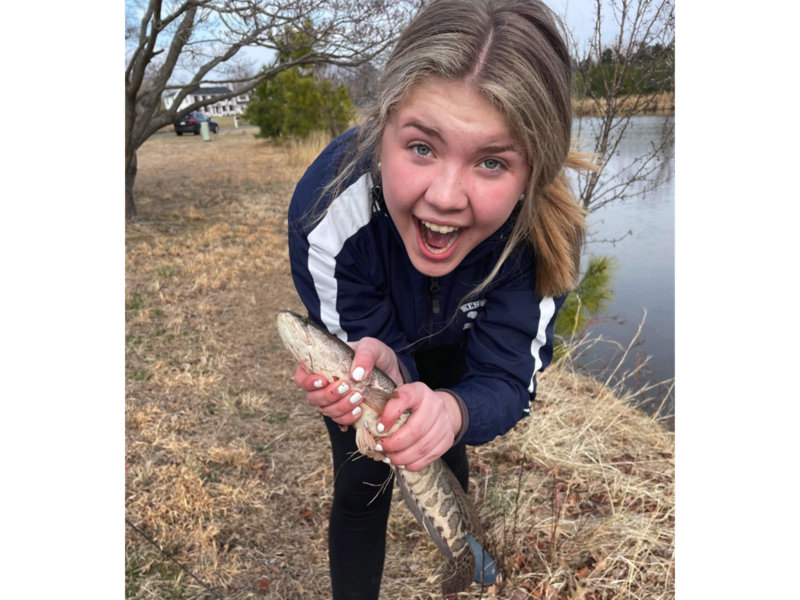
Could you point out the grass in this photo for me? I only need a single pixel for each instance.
(658, 104)
(229, 468)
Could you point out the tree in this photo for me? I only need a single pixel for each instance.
(296, 102)
(183, 44)
(623, 79)
(361, 82)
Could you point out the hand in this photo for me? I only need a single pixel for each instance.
(430, 430)
(337, 400)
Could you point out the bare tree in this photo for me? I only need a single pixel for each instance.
(200, 41)
(612, 75)
(361, 82)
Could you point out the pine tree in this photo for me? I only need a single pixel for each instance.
(592, 296)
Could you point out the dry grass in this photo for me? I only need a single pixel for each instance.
(229, 469)
(301, 153)
(658, 104)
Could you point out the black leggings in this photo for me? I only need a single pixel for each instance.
(360, 512)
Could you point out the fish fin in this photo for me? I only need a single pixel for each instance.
(485, 566)
(422, 518)
(457, 574)
(364, 440)
(377, 398)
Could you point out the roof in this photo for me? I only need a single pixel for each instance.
(211, 90)
(205, 91)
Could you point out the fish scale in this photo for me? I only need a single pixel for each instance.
(433, 494)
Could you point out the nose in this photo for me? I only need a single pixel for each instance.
(447, 191)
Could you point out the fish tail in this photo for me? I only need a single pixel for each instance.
(457, 575)
(485, 566)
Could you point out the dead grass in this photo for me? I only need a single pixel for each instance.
(658, 104)
(230, 471)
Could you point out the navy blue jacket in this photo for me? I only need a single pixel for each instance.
(354, 276)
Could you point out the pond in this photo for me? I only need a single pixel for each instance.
(639, 233)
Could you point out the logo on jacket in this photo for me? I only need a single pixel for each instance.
(471, 308)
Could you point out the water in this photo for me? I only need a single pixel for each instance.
(645, 275)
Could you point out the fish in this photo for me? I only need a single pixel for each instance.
(433, 494)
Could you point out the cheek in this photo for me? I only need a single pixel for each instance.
(402, 186)
(494, 210)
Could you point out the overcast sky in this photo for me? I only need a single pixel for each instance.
(578, 15)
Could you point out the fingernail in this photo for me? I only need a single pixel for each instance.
(381, 427)
(355, 398)
(358, 373)
(378, 447)
(387, 460)
(356, 410)
(401, 466)
(318, 383)
(343, 388)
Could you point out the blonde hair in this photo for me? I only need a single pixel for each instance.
(513, 53)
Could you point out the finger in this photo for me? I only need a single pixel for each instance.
(371, 352)
(308, 382)
(367, 352)
(346, 410)
(330, 394)
(409, 397)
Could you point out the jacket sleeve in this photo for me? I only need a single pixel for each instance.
(511, 341)
(333, 264)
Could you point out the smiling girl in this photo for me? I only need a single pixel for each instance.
(439, 239)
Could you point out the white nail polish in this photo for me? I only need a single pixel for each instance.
(387, 460)
(378, 447)
(355, 398)
(401, 466)
(318, 383)
(356, 410)
(343, 388)
(358, 373)
(381, 427)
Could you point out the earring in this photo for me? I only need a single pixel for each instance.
(522, 196)
(379, 165)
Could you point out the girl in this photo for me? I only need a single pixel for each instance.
(440, 239)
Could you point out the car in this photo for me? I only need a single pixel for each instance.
(191, 123)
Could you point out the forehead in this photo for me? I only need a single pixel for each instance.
(454, 108)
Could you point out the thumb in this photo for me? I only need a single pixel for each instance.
(371, 353)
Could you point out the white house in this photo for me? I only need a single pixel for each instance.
(231, 106)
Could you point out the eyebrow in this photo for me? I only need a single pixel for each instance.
(491, 149)
(423, 129)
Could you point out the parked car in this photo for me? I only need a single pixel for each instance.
(191, 124)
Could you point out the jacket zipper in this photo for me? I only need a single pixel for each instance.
(435, 294)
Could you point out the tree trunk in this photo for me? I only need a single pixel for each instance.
(130, 179)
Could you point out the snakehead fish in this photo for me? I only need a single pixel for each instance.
(433, 494)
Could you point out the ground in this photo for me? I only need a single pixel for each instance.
(228, 468)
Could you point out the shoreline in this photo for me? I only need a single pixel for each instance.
(657, 104)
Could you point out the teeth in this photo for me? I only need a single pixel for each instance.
(440, 228)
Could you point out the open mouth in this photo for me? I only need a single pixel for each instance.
(438, 239)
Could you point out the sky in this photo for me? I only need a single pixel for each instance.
(578, 16)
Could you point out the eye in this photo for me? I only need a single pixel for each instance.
(492, 164)
(421, 149)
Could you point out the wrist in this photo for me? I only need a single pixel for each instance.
(453, 408)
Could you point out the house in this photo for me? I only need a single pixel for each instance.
(231, 106)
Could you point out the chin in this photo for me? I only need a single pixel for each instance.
(434, 269)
